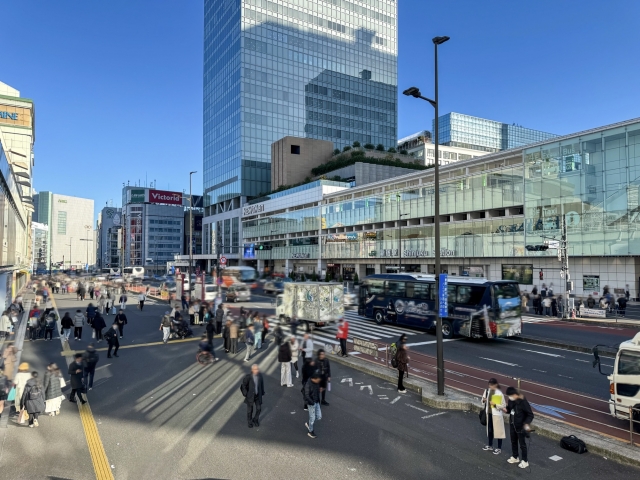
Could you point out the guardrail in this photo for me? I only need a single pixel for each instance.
(549, 401)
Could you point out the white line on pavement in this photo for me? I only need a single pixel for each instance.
(395, 399)
(543, 353)
(421, 409)
(500, 361)
(541, 371)
(432, 342)
(433, 415)
(585, 361)
(546, 346)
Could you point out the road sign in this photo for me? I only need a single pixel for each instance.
(223, 260)
(443, 303)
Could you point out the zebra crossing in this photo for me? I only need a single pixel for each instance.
(526, 319)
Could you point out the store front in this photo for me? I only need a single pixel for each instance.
(348, 271)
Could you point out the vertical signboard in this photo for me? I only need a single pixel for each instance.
(179, 289)
(198, 293)
(443, 297)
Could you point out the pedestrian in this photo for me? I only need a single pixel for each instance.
(211, 330)
(402, 359)
(342, 335)
(111, 336)
(265, 327)
(306, 347)
(295, 350)
(308, 369)
(89, 361)
(107, 304)
(252, 389)
(32, 399)
(121, 321)
(66, 323)
(34, 325)
(91, 313)
(76, 377)
(257, 329)
(165, 326)
(91, 291)
(524, 301)
(554, 307)
(141, 298)
(98, 325)
(219, 318)
(20, 381)
(9, 361)
(591, 302)
(123, 302)
(52, 390)
(233, 337)
(546, 303)
(312, 400)
(226, 335)
(284, 357)
(494, 404)
(278, 335)
(324, 369)
(5, 324)
(50, 325)
(402, 340)
(520, 418)
(101, 304)
(192, 314)
(622, 306)
(249, 342)
(293, 325)
(183, 300)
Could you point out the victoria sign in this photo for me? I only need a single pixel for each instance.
(161, 196)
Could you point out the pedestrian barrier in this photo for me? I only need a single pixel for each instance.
(561, 405)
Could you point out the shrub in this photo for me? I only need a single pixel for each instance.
(336, 151)
(404, 152)
(314, 277)
(392, 150)
(346, 148)
(380, 147)
(369, 146)
(344, 161)
(327, 277)
(356, 144)
(355, 278)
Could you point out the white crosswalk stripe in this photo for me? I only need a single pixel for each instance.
(538, 319)
(394, 330)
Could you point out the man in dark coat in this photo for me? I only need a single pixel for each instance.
(98, 325)
(252, 389)
(76, 373)
(324, 369)
(89, 361)
(33, 399)
(520, 417)
(219, 318)
(211, 330)
(121, 321)
(111, 336)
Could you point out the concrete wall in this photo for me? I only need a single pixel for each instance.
(368, 173)
(288, 168)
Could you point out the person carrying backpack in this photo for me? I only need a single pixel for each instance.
(402, 362)
(50, 325)
(520, 417)
(33, 399)
(111, 336)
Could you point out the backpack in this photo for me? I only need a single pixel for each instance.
(393, 350)
(573, 444)
(35, 393)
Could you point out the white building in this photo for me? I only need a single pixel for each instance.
(420, 146)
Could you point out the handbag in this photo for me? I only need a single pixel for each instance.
(12, 394)
(23, 416)
(482, 416)
(62, 383)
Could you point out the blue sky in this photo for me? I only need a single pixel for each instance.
(118, 84)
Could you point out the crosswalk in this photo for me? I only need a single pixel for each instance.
(359, 327)
(526, 319)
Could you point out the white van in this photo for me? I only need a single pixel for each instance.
(624, 381)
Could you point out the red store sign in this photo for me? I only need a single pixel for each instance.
(162, 196)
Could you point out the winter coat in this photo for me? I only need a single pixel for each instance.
(249, 337)
(522, 413)
(121, 319)
(34, 389)
(111, 336)
(5, 323)
(323, 368)
(249, 391)
(308, 369)
(311, 393)
(284, 353)
(403, 360)
(343, 330)
(91, 312)
(51, 385)
(495, 413)
(211, 329)
(75, 372)
(98, 323)
(67, 321)
(90, 358)
(233, 330)
(166, 321)
(294, 351)
(78, 319)
(20, 381)
(219, 315)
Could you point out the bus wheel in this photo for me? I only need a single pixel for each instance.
(447, 329)
(379, 317)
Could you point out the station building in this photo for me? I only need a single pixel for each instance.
(491, 208)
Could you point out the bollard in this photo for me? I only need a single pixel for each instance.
(631, 425)
(518, 384)
(386, 356)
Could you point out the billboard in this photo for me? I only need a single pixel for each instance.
(137, 195)
(162, 196)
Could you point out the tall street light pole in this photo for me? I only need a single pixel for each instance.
(190, 229)
(415, 92)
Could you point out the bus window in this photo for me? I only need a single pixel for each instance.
(451, 294)
(420, 290)
(410, 289)
(506, 290)
(395, 289)
(629, 363)
(376, 287)
(470, 295)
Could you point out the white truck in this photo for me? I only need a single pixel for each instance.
(314, 304)
(624, 381)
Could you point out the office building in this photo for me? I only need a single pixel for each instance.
(465, 131)
(40, 247)
(323, 70)
(71, 232)
(109, 238)
(491, 208)
(420, 146)
(17, 137)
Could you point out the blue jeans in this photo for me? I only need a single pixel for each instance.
(314, 414)
(258, 336)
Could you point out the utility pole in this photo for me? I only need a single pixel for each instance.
(563, 256)
(190, 229)
(218, 270)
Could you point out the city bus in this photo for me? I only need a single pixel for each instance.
(131, 273)
(477, 308)
(110, 271)
(240, 274)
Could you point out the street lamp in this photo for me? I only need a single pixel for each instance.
(190, 227)
(415, 92)
(70, 239)
(87, 240)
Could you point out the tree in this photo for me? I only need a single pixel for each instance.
(369, 146)
(355, 278)
(404, 152)
(327, 277)
(336, 151)
(356, 144)
(346, 148)
(392, 150)
(303, 278)
(314, 276)
(380, 147)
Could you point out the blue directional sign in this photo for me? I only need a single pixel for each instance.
(443, 298)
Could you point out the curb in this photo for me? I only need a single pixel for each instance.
(453, 399)
(568, 346)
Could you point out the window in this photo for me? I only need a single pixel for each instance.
(62, 223)
(469, 295)
(295, 149)
(395, 289)
(451, 294)
(629, 363)
(420, 290)
(376, 287)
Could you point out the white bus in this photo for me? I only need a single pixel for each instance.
(131, 273)
(111, 271)
(240, 274)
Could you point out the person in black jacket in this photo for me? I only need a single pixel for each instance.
(211, 331)
(252, 389)
(121, 321)
(284, 357)
(520, 417)
(308, 369)
(111, 336)
(66, 323)
(75, 372)
(98, 325)
(312, 399)
(89, 361)
(324, 369)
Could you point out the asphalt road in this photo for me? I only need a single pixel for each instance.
(161, 415)
(578, 333)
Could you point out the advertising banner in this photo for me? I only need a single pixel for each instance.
(137, 195)
(443, 297)
(162, 196)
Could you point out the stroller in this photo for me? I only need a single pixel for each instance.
(180, 330)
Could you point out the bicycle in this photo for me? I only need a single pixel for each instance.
(205, 358)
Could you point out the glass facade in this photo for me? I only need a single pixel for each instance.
(458, 130)
(323, 69)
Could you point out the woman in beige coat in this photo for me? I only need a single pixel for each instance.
(494, 403)
(9, 358)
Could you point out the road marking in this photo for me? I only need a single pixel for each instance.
(585, 361)
(344, 380)
(543, 353)
(565, 376)
(72, 352)
(96, 449)
(542, 371)
(546, 346)
(433, 415)
(395, 400)
(432, 342)
(555, 458)
(413, 406)
(500, 361)
(367, 386)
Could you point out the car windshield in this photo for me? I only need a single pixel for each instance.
(629, 363)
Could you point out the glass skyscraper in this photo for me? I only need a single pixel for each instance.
(458, 130)
(324, 69)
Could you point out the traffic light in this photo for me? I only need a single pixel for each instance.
(541, 275)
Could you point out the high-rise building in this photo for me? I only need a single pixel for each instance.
(302, 68)
(71, 239)
(40, 248)
(109, 238)
(465, 131)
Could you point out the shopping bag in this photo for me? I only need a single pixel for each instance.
(113, 310)
(93, 334)
(328, 386)
(62, 383)
(23, 416)
(12, 394)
